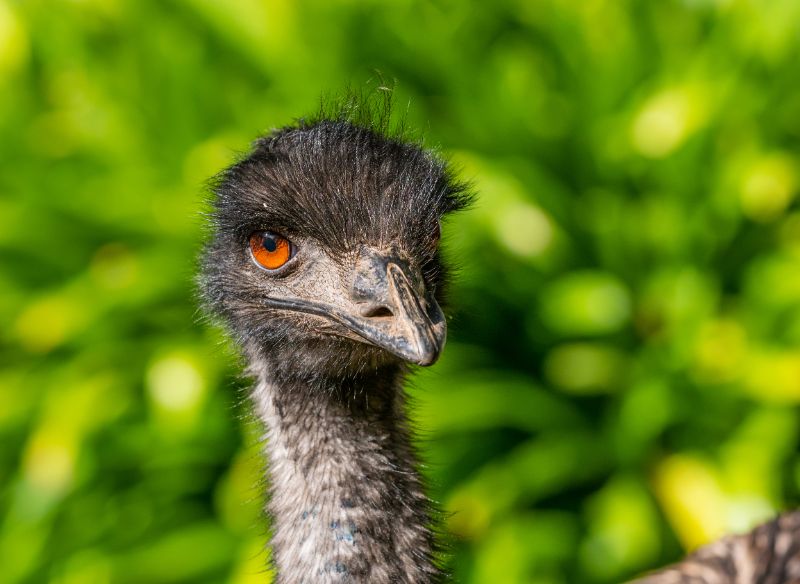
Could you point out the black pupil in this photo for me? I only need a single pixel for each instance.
(270, 242)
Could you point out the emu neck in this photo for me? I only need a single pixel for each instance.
(346, 501)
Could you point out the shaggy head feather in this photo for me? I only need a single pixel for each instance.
(333, 186)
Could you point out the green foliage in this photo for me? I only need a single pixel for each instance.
(623, 369)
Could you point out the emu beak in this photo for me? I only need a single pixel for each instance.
(401, 324)
(385, 309)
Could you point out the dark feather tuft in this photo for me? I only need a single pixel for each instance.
(345, 177)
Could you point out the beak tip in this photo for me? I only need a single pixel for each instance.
(427, 353)
(427, 360)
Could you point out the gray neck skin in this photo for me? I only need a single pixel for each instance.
(346, 501)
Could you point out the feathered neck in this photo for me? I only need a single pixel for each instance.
(346, 500)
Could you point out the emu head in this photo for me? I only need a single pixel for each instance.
(324, 254)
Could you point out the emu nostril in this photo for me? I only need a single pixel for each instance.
(376, 310)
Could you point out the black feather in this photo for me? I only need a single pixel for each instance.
(344, 177)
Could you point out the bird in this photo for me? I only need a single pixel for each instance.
(324, 265)
(768, 554)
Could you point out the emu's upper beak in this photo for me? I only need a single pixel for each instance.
(397, 317)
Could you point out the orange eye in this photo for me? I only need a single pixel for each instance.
(270, 250)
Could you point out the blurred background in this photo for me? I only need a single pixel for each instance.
(623, 371)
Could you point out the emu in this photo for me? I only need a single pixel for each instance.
(324, 266)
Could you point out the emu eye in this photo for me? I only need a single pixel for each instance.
(270, 250)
